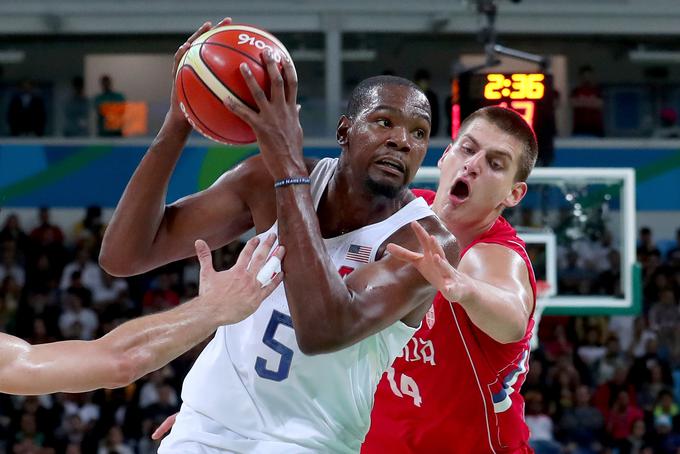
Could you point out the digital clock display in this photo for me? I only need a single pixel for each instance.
(530, 94)
(514, 86)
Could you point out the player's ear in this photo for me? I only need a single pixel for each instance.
(449, 148)
(342, 130)
(517, 193)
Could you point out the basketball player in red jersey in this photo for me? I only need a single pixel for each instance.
(455, 388)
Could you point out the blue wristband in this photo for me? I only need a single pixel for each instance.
(292, 180)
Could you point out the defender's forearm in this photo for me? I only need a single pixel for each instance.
(501, 314)
(150, 342)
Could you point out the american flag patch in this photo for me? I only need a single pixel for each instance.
(358, 253)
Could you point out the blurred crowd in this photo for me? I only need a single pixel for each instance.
(596, 384)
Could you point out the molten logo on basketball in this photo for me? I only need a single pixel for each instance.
(245, 38)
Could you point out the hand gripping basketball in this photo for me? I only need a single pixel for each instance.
(275, 118)
(208, 73)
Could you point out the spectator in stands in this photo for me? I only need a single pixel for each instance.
(114, 443)
(646, 244)
(592, 349)
(160, 296)
(637, 441)
(150, 392)
(622, 415)
(156, 413)
(77, 111)
(668, 124)
(10, 266)
(673, 255)
(573, 279)
(42, 274)
(612, 360)
(90, 230)
(91, 274)
(587, 105)
(641, 335)
(77, 321)
(652, 386)
(606, 395)
(581, 427)
(540, 425)
(664, 318)
(26, 114)
(609, 280)
(13, 232)
(7, 316)
(109, 291)
(422, 79)
(110, 106)
(48, 238)
(28, 439)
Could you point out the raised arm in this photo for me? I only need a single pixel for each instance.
(143, 345)
(144, 233)
(491, 284)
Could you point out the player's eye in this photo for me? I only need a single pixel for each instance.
(420, 133)
(384, 122)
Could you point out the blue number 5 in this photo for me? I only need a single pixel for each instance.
(286, 353)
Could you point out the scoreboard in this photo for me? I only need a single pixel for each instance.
(530, 94)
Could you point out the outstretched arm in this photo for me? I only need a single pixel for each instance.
(144, 233)
(143, 345)
(491, 283)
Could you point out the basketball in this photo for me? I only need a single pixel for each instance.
(209, 73)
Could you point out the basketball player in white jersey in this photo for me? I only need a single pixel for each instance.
(140, 346)
(299, 374)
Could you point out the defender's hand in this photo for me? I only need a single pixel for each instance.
(432, 264)
(236, 293)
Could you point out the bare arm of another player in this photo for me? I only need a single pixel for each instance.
(144, 233)
(332, 313)
(143, 345)
(491, 283)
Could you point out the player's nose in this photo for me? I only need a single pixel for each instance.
(399, 139)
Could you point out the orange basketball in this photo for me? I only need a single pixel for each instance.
(209, 73)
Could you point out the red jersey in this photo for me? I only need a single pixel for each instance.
(454, 389)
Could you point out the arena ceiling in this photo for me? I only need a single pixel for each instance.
(527, 17)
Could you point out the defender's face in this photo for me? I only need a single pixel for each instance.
(478, 173)
(388, 140)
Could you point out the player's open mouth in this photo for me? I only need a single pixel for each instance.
(460, 190)
(391, 165)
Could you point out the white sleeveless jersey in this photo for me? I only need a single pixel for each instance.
(253, 391)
